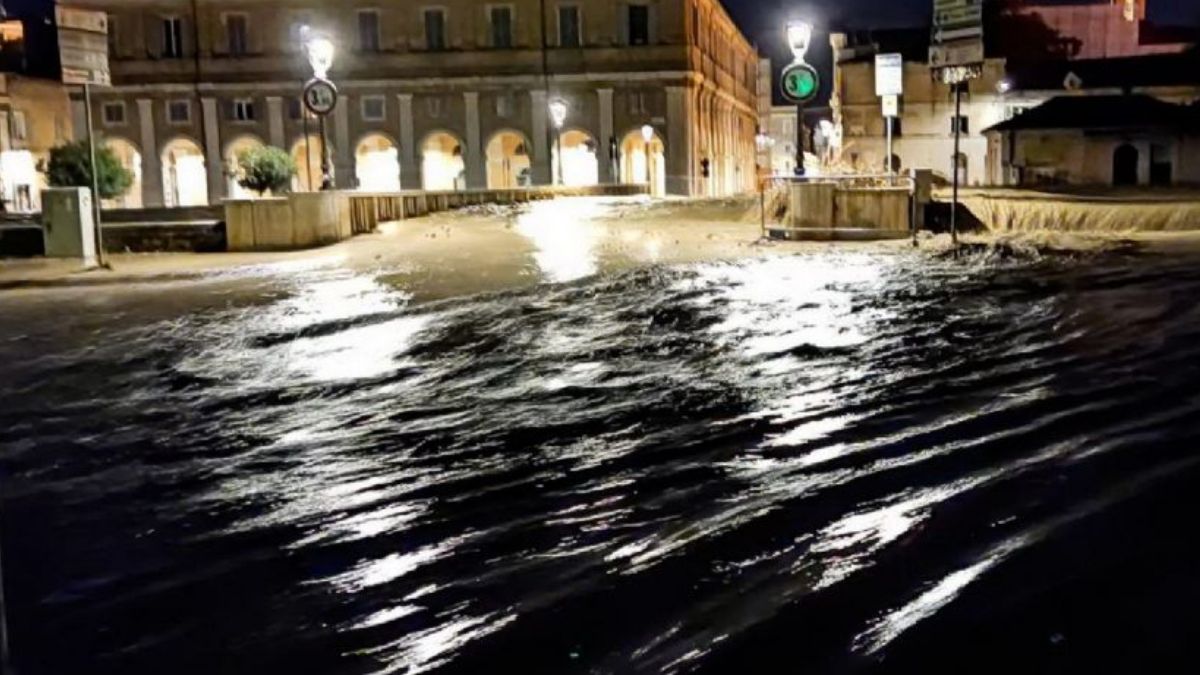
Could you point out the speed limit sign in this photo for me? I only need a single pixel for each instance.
(320, 97)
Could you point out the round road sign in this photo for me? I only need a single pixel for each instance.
(800, 83)
(320, 97)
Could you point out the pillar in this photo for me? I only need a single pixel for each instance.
(603, 145)
(213, 163)
(540, 160)
(343, 154)
(473, 157)
(275, 122)
(410, 168)
(679, 159)
(152, 179)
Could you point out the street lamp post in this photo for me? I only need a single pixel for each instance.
(558, 115)
(320, 94)
(648, 137)
(799, 36)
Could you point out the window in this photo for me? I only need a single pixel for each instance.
(435, 29)
(374, 108)
(569, 33)
(500, 20)
(433, 106)
(897, 126)
(114, 113)
(172, 46)
(504, 105)
(297, 111)
(960, 124)
(18, 129)
(243, 110)
(639, 25)
(237, 34)
(637, 103)
(368, 31)
(179, 112)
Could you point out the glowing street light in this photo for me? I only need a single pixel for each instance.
(648, 137)
(558, 115)
(320, 95)
(799, 36)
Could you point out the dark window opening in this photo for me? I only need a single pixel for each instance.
(639, 25)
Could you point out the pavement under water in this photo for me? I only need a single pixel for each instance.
(532, 450)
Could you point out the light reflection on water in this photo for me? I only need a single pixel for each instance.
(669, 469)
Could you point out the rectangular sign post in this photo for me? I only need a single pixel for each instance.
(956, 57)
(889, 85)
(83, 55)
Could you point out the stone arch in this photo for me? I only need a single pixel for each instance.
(306, 153)
(232, 170)
(580, 157)
(130, 157)
(507, 155)
(1125, 165)
(643, 163)
(442, 165)
(377, 162)
(185, 177)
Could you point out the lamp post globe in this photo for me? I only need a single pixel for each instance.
(799, 36)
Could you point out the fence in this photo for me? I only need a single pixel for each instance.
(867, 206)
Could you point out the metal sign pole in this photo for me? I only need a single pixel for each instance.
(954, 161)
(95, 186)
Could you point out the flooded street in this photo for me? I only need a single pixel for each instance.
(571, 442)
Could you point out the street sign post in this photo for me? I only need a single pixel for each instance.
(83, 56)
(956, 56)
(800, 84)
(320, 98)
(889, 85)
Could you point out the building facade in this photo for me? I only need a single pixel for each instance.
(35, 116)
(445, 94)
(923, 134)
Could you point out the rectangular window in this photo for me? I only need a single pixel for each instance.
(237, 34)
(114, 113)
(172, 46)
(897, 127)
(639, 25)
(500, 20)
(569, 33)
(435, 29)
(374, 108)
(637, 103)
(960, 124)
(368, 30)
(243, 110)
(433, 106)
(18, 129)
(179, 112)
(504, 105)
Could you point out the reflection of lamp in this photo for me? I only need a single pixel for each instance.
(1004, 86)
(799, 35)
(558, 115)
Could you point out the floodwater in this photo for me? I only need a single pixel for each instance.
(834, 460)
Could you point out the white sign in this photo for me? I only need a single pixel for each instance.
(889, 74)
(320, 97)
(83, 46)
(961, 53)
(891, 105)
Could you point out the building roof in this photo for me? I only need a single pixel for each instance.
(1159, 70)
(1104, 113)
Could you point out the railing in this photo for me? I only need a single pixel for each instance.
(369, 209)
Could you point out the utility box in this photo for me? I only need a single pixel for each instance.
(69, 224)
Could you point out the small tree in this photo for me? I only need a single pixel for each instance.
(71, 166)
(265, 168)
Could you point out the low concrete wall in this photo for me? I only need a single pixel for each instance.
(308, 219)
(301, 220)
(1016, 212)
(187, 237)
(817, 207)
